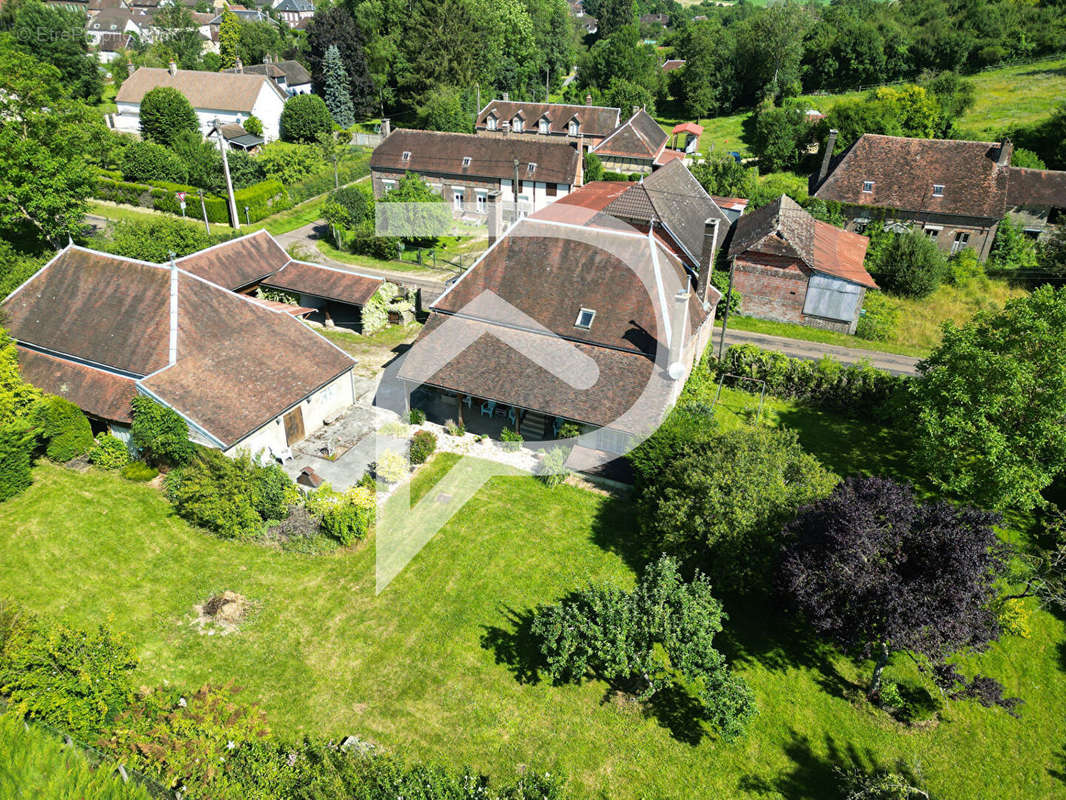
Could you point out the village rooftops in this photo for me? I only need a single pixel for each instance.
(224, 91)
(787, 227)
(100, 329)
(640, 137)
(470, 156)
(594, 121)
(294, 72)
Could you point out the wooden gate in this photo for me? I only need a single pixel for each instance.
(294, 426)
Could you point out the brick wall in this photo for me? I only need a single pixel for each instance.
(980, 232)
(774, 287)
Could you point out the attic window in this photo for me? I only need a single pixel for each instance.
(573, 127)
(406, 155)
(532, 167)
(584, 318)
(466, 161)
(867, 187)
(544, 125)
(938, 190)
(490, 123)
(516, 125)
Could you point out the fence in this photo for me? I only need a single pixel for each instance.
(366, 139)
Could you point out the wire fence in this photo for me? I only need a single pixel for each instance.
(99, 759)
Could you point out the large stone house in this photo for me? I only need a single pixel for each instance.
(228, 97)
(578, 318)
(589, 124)
(788, 266)
(465, 168)
(955, 191)
(244, 374)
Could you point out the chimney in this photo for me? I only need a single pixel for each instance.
(386, 127)
(130, 68)
(635, 110)
(710, 245)
(830, 143)
(506, 97)
(506, 127)
(172, 68)
(1005, 150)
(495, 220)
(173, 355)
(237, 65)
(679, 324)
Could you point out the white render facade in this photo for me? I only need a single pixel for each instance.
(267, 109)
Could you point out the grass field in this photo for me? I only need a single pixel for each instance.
(1008, 97)
(438, 666)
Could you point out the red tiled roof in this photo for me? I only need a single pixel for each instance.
(1036, 187)
(582, 205)
(687, 127)
(284, 308)
(638, 137)
(97, 392)
(672, 64)
(841, 253)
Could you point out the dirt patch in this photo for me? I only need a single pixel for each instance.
(221, 614)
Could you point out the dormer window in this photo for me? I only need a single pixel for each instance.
(516, 124)
(544, 125)
(532, 167)
(466, 161)
(573, 127)
(490, 123)
(867, 187)
(938, 190)
(584, 318)
(406, 155)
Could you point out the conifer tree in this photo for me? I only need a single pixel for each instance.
(338, 97)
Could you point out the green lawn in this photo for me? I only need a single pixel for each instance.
(437, 666)
(794, 331)
(359, 260)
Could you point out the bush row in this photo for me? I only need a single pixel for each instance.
(853, 389)
(261, 199)
(205, 743)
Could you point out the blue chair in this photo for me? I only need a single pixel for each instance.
(556, 426)
(469, 401)
(488, 408)
(511, 415)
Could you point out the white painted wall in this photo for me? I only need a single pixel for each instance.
(534, 197)
(267, 108)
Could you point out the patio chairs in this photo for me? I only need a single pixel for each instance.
(281, 454)
(488, 408)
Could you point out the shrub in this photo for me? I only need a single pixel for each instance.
(109, 452)
(453, 428)
(64, 428)
(139, 471)
(908, 264)
(856, 389)
(345, 516)
(75, 680)
(416, 416)
(1014, 618)
(16, 447)
(1012, 249)
(155, 239)
(512, 440)
(158, 434)
(391, 467)
(290, 163)
(963, 266)
(553, 469)
(423, 443)
(569, 430)
(165, 113)
(304, 118)
(253, 125)
(879, 318)
(273, 491)
(148, 161)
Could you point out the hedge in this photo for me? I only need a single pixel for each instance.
(65, 429)
(262, 199)
(855, 389)
(16, 443)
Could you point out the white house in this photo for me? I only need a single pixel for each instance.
(225, 96)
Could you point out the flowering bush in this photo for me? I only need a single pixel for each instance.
(345, 516)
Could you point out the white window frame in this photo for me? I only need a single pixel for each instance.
(490, 124)
(466, 161)
(933, 231)
(544, 127)
(531, 168)
(458, 198)
(574, 127)
(938, 190)
(582, 313)
(516, 124)
(387, 185)
(405, 156)
(481, 197)
(960, 242)
(867, 187)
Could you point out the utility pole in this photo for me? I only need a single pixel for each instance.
(225, 168)
(725, 316)
(203, 207)
(515, 187)
(547, 84)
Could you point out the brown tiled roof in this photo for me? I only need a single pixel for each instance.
(293, 71)
(326, 282)
(238, 363)
(593, 120)
(674, 63)
(1036, 187)
(438, 153)
(904, 171)
(640, 136)
(783, 227)
(238, 262)
(582, 205)
(221, 90)
(95, 391)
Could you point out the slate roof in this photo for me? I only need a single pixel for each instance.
(295, 5)
(438, 153)
(904, 170)
(238, 363)
(593, 120)
(1036, 187)
(326, 282)
(225, 91)
(549, 272)
(640, 136)
(783, 225)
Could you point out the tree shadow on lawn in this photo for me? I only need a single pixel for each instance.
(1060, 771)
(516, 648)
(677, 710)
(814, 776)
(615, 529)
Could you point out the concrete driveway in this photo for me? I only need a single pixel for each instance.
(353, 437)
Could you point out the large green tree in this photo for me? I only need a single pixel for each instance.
(338, 97)
(229, 39)
(166, 114)
(304, 119)
(179, 33)
(991, 401)
(56, 36)
(336, 27)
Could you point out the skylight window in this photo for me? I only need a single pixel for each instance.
(466, 161)
(867, 187)
(406, 155)
(938, 190)
(584, 318)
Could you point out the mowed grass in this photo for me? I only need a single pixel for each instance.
(438, 666)
(1006, 98)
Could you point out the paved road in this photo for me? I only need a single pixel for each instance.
(799, 348)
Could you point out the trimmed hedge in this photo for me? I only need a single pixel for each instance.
(16, 442)
(854, 389)
(64, 428)
(262, 199)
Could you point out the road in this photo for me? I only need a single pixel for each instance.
(800, 348)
